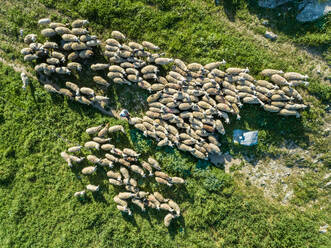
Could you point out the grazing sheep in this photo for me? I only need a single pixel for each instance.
(79, 23)
(85, 54)
(74, 66)
(73, 56)
(131, 188)
(92, 188)
(116, 128)
(66, 92)
(162, 181)
(50, 88)
(266, 84)
(236, 71)
(103, 131)
(139, 203)
(195, 67)
(82, 100)
(271, 108)
(214, 65)
(147, 167)
(48, 32)
(26, 51)
(163, 61)
(167, 219)
(150, 45)
(286, 112)
(89, 170)
(70, 38)
(30, 57)
(270, 72)
(134, 78)
(279, 80)
(116, 68)
(162, 175)
(125, 195)
(25, 80)
(106, 162)
(93, 159)
(295, 106)
(120, 202)
(62, 70)
(115, 182)
(124, 209)
(79, 31)
(93, 43)
(122, 161)
(92, 144)
(166, 207)
(137, 170)
(149, 69)
(101, 140)
(56, 24)
(80, 193)
(73, 87)
(87, 91)
(76, 46)
(124, 172)
(44, 21)
(130, 152)
(174, 206)
(177, 180)
(74, 149)
(99, 67)
(118, 35)
(62, 30)
(30, 38)
(66, 157)
(114, 175)
(76, 159)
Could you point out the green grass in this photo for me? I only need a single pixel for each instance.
(37, 208)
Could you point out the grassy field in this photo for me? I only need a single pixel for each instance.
(37, 208)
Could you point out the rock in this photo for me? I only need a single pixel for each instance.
(324, 229)
(270, 4)
(327, 184)
(313, 10)
(288, 196)
(265, 23)
(270, 35)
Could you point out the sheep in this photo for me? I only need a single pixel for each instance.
(271, 108)
(99, 67)
(132, 71)
(286, 112)
(139, 203)
(113, 43)
(278, 104)
(85, 54)
(92, 144)
(101, 140)
(121, 160)
(79, 31)
(130, 152)
(124, 209)
(66, 92)
(247, 77)
(74, 149)
(214, 65)
(83, 100)
(79, 23)
(132, 182)
(266, 84)
(150, 76)
(25, 80)
(115, 182)
(92, 188)
(114, 175)
(176, 76)
(224, 107)
(48, 32)
(116, 68)
(87, 91)
(114, 75)
(89, 170)
(80, 193)
(26, 51)
(93, 159)
(118, 35)
(167, 219)
(217, 73)
(56, 24)
(50, 88)
(106, 162)
(116, 128)
(73, 87)
(162, 175)
(185, 148)
(150, 46)
(30, 38)
(66, 157)
(174, 206)
(262, 97)
(134, 78)
(166, 207)
(137, 170)
(74, 66)
(279, 80)
(177, 180)
(163, 61)
(131, 188)
(124, 172)
(295, 106)
(62, 30)
(252, 100)
(198, 154)
(230, 86)
(73, 56)
(120, 202)
(30, 57)
(76, 46)
(195, 67)
(236, 71)
(298, 82)
(44, 21)
(147, 167)
(270, 72)
(278, 97)
(149, 69)
(70, 38)
(125, 195)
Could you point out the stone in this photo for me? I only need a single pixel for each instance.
(270, 35)
(270, 4)
(313, 10)
(324, 229)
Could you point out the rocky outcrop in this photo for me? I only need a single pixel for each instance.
(270, 4)
(313, 10)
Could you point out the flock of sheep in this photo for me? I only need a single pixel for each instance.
(187, 103)
(128, 164)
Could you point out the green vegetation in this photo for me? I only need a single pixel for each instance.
(36, 187)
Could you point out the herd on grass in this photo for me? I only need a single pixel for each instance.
(188, 103)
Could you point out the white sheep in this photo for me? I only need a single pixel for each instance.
(92, 188)
(118, 35)
(44, 21)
